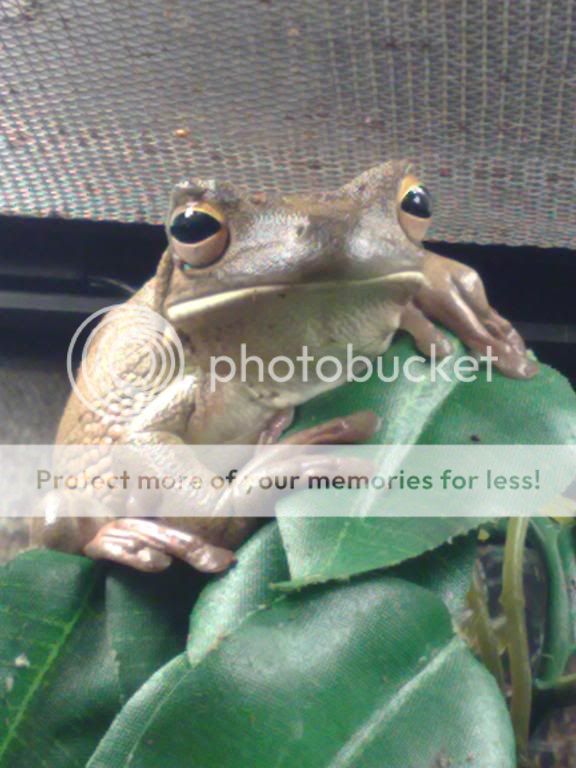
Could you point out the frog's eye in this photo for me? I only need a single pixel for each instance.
(414, 208)
(199, 235)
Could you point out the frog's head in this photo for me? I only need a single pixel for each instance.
(234, 256)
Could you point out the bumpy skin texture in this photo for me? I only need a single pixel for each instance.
(324, 271)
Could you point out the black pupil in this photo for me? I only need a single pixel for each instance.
(194, 226)
(417, 202)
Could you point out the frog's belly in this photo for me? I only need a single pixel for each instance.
(227, 414)
(238, 412)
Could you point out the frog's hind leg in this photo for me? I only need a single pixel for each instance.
(150, 546)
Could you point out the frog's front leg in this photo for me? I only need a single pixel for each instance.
(454, 296)
(148, 545)
(356, 427)
(276, 456)
(153, 441)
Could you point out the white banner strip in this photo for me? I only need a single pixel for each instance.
(223, 480)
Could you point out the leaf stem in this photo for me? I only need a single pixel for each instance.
(513, 604)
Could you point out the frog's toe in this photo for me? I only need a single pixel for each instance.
(152, 560)
(209, 558)
(123, 547)
(502, 329)
(427, 336)
(512, 362)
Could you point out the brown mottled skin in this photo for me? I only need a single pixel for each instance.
(279, 273)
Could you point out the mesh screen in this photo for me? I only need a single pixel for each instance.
(106, 104)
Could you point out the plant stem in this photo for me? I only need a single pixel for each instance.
(482, 630)
(555, 545)
(513, 603)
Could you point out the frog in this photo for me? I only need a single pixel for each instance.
(274, 272)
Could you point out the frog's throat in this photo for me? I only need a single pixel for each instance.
(411, 281)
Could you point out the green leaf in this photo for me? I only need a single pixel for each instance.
(501, 411)
(364, 674)
(147, 616)
(260, 578)
(55, 656)
(323, 548)
(77, 640)
(231, 598)
(447, 571)
(540, 411)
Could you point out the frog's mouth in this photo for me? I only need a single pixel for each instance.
(402, 285)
